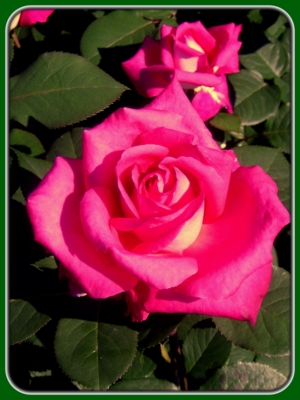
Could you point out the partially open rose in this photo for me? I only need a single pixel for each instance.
(30, 17)
(198, 57)
(155, 209)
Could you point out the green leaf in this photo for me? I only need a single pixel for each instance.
(204, 349)
(155, 14)
(142, 367)
(255, 16)
(250, 134)
(93, 353)
(48, 263)
(118, 28)
(271, 333)
(284, 84)
(37, 35)
(273, 162)
(255, 100)
(150, 384)
(67, 145)
(34, 340)
(286, 40)
(237, 354)
(98, 13)
(59, 89)
(19, 197)
(187, 323)
(227, 122)
(270, 60)
(156, 328)
(24, 320)
(277, 29)
(245, 377)
(22, 31)
(11, 50)
(278, 129)
(35, 165)
(281, 364)
(19, 138)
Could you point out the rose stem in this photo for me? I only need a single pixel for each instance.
(16, 40)
(177, 361)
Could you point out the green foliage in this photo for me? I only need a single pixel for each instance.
(59, 89)
(157, 328)
(270, 60)
(37, 166)
(278, 129)
(19, 196)
(273, 163)
(48, 263)
(277, 29)
(237, 354)
(187, 323)
(11, 49)
(153, 15)
(245, 377)
(284, 84)
(24, 321)
(255, 16)
(119, 28)
(204, 349)
(26, 141)
(227, 122)
(92, 353)
(271, 334)
(141, 368)
(150, 384)
(255, 101)
(67, 145)
(281, 364)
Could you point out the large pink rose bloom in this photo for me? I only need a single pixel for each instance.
(198, 57)
(31, 17)
(155, 209)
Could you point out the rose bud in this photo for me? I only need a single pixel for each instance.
(198, 57)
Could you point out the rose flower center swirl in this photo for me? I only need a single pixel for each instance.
(162, 200)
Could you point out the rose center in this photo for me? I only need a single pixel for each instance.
(191, 42)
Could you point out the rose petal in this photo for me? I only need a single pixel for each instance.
(181, 236)
(31, 17)
(190, 59)
(229, 249)
(225, 54)
(209, 101)
(54, 213)
(157, 271)
(182, 106)
(214, 181)
(133, 204)
(146, 70)
(191, 80)
(243, 304)
(200, 34)
(104, 144)
(167, 34)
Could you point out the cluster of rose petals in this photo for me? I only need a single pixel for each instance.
(31, 17)
(198, 57)
(155, 209)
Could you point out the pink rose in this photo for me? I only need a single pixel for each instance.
(155, 209)
(31, 17)
(198, 57)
